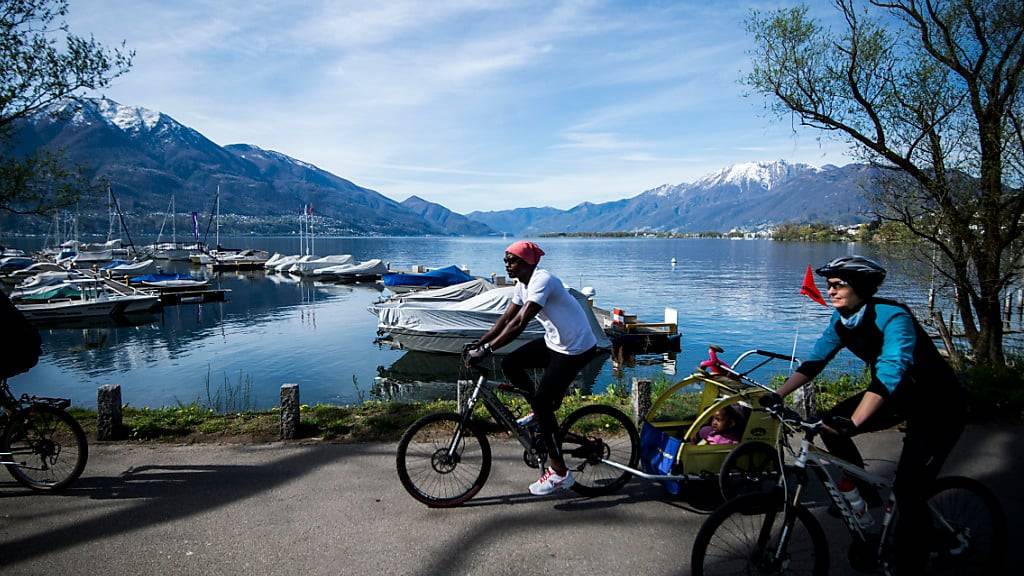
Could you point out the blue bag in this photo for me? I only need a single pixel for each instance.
(658, 451)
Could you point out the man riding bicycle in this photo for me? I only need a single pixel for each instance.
(909, 381)
(568, 344)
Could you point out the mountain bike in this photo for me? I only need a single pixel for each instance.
(41, 445)
(444, 458)
(776, 533)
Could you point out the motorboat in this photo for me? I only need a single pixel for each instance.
(307, 267)
(81, 298)
(448, 294)
(370, 270)
(125, 268)
(403, 282)
(12, 263)
(244, 260)
(448, 326)
(47, 278)
(169, 281)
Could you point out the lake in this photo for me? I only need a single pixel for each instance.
(274, 329)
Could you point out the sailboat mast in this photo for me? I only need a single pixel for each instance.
(174, 226)
(218, 216)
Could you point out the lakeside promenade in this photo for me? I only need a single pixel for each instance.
(319, 508)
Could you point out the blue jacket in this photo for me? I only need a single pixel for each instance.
(906, 367)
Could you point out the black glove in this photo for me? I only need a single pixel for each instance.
(477, 355)
(842, 425)
(470, 346)
(770, 400)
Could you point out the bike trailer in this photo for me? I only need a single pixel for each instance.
(669, 432)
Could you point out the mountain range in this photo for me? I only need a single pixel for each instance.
(148, 157)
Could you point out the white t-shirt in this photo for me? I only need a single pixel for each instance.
(566, 328)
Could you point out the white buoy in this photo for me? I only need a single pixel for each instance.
(673, 261)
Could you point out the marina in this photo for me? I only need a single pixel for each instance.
(265, 328)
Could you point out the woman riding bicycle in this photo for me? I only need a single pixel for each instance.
(910, 381)
(568, 344)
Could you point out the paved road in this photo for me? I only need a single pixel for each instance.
(339, 509)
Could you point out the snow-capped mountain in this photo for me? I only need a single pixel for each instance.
(148, 156)
(752, 175)
(748, 195)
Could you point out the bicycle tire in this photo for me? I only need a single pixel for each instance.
(978, 519)
(48, 448)
(751, 467)
(425, 470)
(735, 537)
(591, 477)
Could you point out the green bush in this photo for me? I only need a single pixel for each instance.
(996, 394)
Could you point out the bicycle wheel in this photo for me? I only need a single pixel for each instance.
(592, 433)
(751, 467)
(47, 446)
(970, 533)
(742, 537)
(430, 474)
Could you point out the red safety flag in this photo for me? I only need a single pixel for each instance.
(810, 289)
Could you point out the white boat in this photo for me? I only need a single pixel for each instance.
(449, 294)
(307, 267)
(48, 278)
(90, 257)
(363, 271)
(288, 261)
(85, 298)
(244, 260)
(132, 268)
(34, 269)
(446, 327)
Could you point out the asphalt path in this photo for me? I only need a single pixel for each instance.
(320, 508)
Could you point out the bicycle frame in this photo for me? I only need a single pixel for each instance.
(497, 409)
(810, 456)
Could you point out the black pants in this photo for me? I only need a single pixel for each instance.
(928, 441)
(546, 396)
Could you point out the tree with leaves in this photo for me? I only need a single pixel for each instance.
(43, 63)
(930, 91)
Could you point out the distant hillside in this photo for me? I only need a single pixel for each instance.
(748, 196)
(451, 222)
(148, 157)
(513, 221)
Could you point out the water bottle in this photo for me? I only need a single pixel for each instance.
(860, 508)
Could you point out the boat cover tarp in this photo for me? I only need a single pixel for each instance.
(160, 278)
(51, 293)
(473, 316)
(441, 277)
(373, 267)
(442, 296)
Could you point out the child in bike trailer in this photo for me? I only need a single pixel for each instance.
(568, 345)
(910, 381)
(726, 427)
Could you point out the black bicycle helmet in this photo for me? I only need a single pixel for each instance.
(863, 274)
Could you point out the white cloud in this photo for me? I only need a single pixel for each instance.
(473, 104)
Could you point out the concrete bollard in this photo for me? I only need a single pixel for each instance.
(108, 412)
(641, 396)
(289, 411)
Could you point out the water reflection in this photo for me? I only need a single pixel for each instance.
(277, 328)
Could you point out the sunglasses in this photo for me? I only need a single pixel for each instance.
(836, 284)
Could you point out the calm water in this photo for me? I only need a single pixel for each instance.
(740, 294)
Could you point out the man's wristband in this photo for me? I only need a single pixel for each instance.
(487, 346)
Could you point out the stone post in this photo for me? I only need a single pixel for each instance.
(108, 412)
(641, 396)
(289, 411)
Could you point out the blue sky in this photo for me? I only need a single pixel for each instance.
(477, 105)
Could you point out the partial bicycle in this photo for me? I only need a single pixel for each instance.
(42, 446)
(776, 533)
